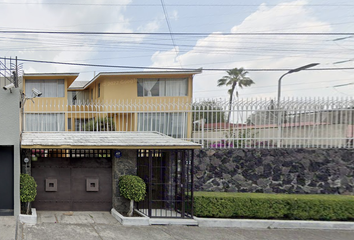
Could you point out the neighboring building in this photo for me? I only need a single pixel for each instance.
(9, 150)
(79, 149)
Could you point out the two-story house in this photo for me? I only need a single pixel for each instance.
(146, 91)
(81, 136)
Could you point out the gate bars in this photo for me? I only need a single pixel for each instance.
(168, 175)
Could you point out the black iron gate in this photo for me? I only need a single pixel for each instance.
(168, 175)
(6, 181)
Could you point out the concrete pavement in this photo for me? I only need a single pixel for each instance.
(102, 226)
(7, 227)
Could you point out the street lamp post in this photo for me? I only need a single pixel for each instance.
(279, 93)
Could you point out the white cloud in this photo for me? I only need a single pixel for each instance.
(226, 51)
(174, 15)
(46, 16)
(151, 26)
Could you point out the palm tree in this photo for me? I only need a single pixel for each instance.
(236, 77)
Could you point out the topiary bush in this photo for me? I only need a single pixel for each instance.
(133, 188)
(28, 189)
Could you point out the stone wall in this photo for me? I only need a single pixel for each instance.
(125, 165)
(326, 171)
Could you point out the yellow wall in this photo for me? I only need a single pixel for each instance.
(114, 89)
(117, 89)
(122, 88)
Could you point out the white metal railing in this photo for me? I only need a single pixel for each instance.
(303, 122)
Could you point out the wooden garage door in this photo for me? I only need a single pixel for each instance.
(76, 184)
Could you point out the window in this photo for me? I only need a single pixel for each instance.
(72, 97)
(99, 90)
(48, 87)
(77, 97)
(91, 94)
(44, 122)
(171, 124)
(162, 87)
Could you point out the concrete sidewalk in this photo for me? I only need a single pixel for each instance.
(102, 226)
(7, 228)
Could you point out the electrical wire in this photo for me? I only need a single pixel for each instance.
(181, 33)
(170, 30)
(178, 69)
(171, 4)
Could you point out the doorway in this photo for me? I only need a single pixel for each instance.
(6, 180)
(168, 177)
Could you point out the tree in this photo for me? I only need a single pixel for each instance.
(133, 188)
(236, 77)
(210, 110)
(28, 189)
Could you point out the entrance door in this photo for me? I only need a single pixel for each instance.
(167, 175)
(6, 181)
(76, 184)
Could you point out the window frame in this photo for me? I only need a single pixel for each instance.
(142, 92)
(41, 86)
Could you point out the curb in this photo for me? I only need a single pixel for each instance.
(29, 219)
(274, 224)
(130, 221)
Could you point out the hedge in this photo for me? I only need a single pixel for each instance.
(274, 206)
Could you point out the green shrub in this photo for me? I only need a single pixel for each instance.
(274, 206)
(28, 189)
(102, 124)
(132, 187)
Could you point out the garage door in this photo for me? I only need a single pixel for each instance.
(76, 184)
(6, 181)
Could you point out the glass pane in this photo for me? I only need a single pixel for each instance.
(140, 88)
(32, 84)
(61, 88)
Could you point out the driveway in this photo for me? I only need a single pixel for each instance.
(102, 226)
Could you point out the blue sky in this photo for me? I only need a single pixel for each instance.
(215, 50)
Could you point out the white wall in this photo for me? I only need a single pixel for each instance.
(10, 134)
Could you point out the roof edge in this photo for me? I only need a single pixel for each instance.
(195, 71)
(50, 74)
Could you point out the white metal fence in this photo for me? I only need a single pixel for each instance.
(254, 123)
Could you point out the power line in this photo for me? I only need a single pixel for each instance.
(178, 69)
(170, 30)
(181, 33)
(171, 4)
(284, 85)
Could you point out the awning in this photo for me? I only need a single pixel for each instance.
(104, 140)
